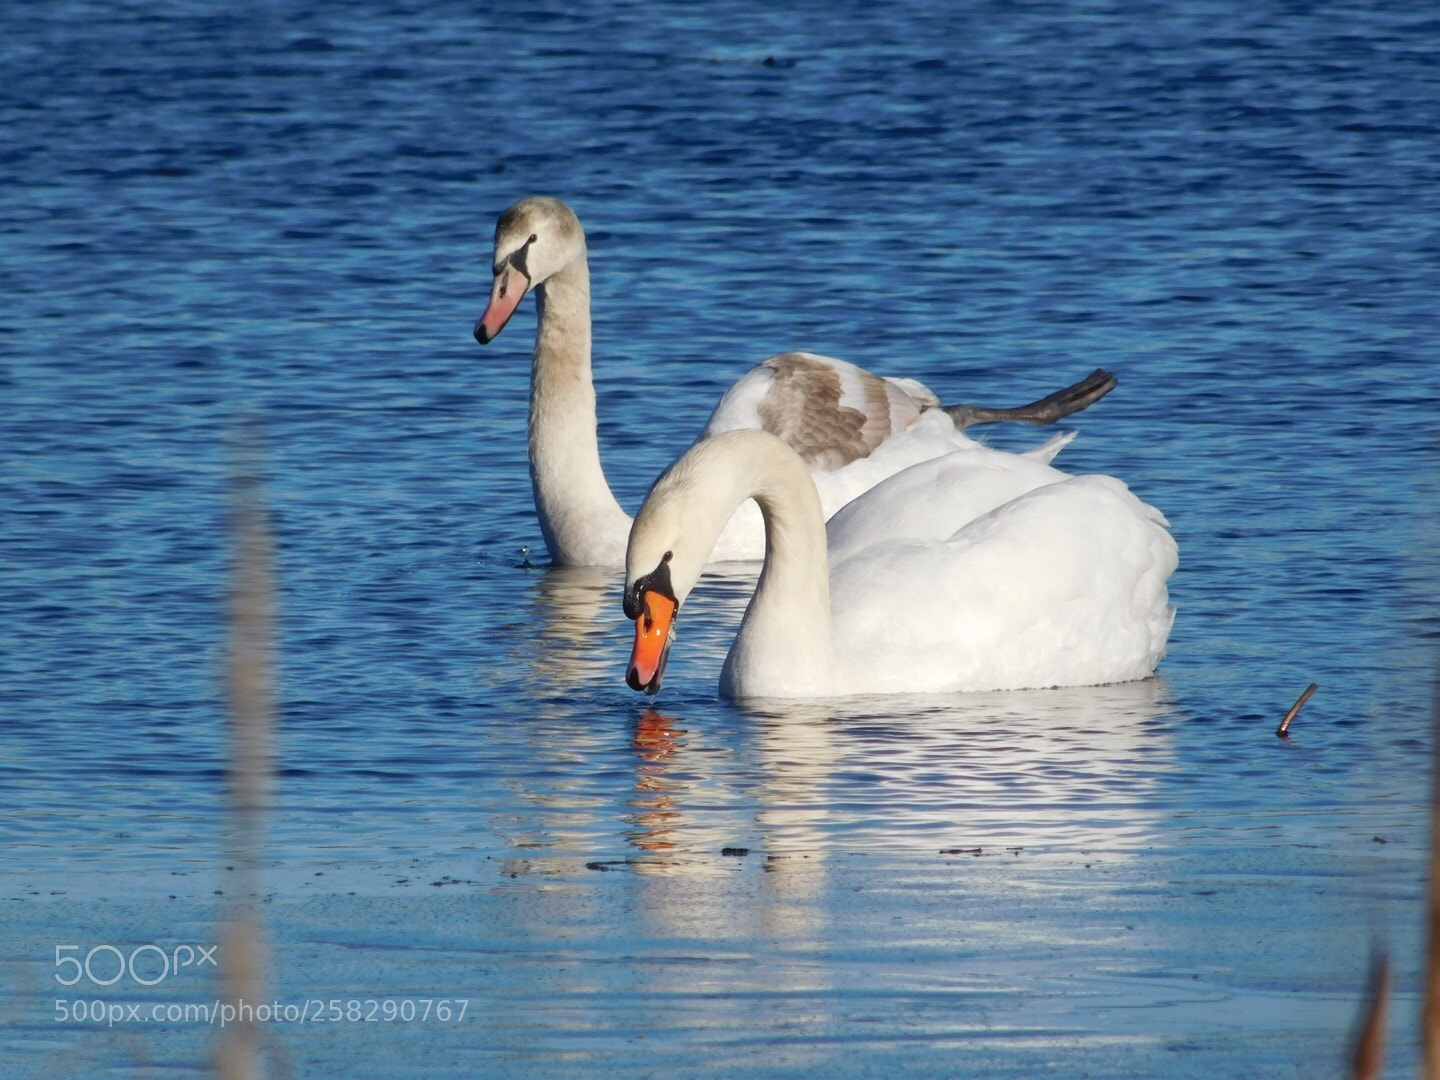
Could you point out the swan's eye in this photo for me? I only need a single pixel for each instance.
(532, 239)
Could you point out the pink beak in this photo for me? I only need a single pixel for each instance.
(509, 289)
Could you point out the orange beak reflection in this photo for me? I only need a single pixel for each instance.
(653, 631)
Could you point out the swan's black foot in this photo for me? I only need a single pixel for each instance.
(1047, 410)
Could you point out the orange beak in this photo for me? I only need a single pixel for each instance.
(653, 630)
(505, 296)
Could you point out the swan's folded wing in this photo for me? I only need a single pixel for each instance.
(934, 499)
(1063, 586)
(829, 412)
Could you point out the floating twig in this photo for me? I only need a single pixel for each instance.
(1284, 727)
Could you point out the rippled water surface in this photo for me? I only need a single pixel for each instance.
(278, 217)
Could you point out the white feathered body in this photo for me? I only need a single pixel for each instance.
(1064, 585)
(973, 571)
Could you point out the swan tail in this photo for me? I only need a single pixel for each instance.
(1047, 450)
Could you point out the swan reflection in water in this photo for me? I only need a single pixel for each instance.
(574, 618)
(821, 792)
(570, 633)
(657, 817)
(561, 649)
(798, 782)
(1054, 769)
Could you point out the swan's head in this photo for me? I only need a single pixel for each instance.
(650, 600)
(670, 542)
(534, 240)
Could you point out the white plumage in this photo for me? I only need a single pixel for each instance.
(994, 575)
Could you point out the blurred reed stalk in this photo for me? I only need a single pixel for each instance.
(1430, 1019)
(1368, 1062)
(1370, 1046)
(249, 679)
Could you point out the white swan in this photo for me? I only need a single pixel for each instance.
(965, 572)
(853, 428)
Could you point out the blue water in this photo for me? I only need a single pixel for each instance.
(277, 219)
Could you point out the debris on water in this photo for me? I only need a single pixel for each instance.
(1284, 728)
(960, 851)
(736, 852)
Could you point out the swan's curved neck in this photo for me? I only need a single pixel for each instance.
(582, 522)
(785, 642)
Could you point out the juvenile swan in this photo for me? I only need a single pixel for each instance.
(852, 428)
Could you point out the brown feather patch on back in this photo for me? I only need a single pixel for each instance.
(803, 408)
